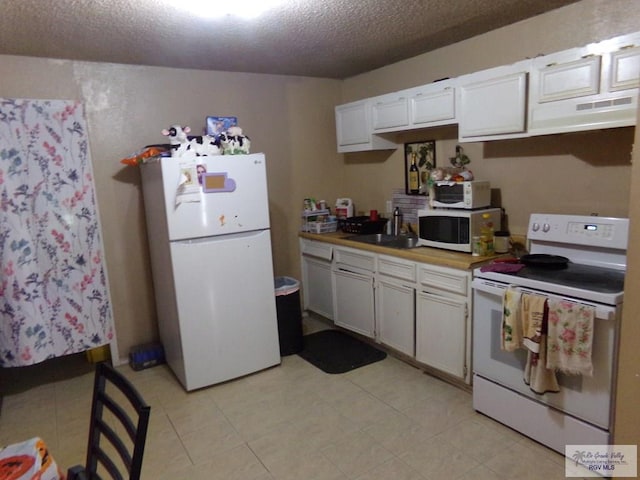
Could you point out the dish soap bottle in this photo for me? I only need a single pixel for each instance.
(414, 176)
(486, 235)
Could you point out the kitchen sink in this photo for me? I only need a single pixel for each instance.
(384, 240)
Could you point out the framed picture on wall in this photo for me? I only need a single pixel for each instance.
(425, 155)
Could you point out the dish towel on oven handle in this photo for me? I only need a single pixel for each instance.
(511, 335)
(570, 337)
(534, 315)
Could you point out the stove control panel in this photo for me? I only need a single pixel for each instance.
(607, 232)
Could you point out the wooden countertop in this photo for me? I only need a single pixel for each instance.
(434, 256)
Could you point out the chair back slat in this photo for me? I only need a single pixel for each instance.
(104, 429)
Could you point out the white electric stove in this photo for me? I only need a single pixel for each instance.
(594, 274)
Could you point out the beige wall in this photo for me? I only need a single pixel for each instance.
(289, 118)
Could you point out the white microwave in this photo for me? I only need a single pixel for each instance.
(453, 229)
(466, 195)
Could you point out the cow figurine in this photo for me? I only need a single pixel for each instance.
(233, 142)
(200, 145)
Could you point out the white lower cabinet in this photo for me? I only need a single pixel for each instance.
(317, 285)
(353, 289)
(395, 303)
(421, 310)
(318, 293)
(354, 303)
(441, 333)
(396, 314)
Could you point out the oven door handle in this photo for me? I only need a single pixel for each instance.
(603, 312)
(488, 286)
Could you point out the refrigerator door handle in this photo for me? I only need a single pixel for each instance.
(218, 238)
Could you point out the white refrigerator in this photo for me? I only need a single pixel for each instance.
(212, 267)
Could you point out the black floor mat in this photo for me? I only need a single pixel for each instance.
(333, 351)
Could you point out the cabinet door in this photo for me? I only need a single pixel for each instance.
(353, 129)
(576, 78)
(441, 333)
(396, 314)
(316, 286)
(390, 112)
(493, 104)
(432, 105)
(354, 302)
(625, 69)
(352, 124)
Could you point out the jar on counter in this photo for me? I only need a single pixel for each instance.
(477, 249)
(501, 241)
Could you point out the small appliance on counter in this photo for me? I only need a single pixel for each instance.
(464, 195)
(344, 208)
(454, 229)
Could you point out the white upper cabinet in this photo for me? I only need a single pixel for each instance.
(390, 112)
(586, 88)
(353, 129)
(575, 78)
(492, 104)
(420, 107)
(432, 105)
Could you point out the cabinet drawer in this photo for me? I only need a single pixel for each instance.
(317, 249)
(442, 278)
(396, 267)
(355, 258)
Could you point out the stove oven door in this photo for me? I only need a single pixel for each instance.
(586, 398)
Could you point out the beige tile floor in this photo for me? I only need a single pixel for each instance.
(384, 421)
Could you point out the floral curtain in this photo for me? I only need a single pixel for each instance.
(54, 297)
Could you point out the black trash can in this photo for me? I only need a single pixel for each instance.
(287, 292)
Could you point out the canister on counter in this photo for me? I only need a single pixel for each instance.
(501, 241)
(476, 246)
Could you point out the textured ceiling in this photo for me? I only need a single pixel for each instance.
(318, 38)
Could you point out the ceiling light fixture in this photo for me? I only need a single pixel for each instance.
(226, 8)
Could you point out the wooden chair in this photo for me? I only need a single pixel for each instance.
(116, 441)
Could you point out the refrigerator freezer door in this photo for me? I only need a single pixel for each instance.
(233, 198)
(226, 308)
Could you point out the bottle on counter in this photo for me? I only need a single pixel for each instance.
(486, 235)
(397, 222)
(414, 176)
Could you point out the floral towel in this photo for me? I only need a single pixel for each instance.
(570, 337)
(54, 298)
(511, 338)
